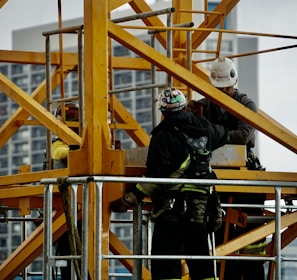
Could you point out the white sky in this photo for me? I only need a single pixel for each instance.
(277, 70)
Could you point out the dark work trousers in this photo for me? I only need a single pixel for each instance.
(242, 270)
(174, 236)
(63, 249)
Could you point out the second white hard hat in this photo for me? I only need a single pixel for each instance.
(223, 73)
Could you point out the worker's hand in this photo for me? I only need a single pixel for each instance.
(122, 204)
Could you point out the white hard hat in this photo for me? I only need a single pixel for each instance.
(223, 73)
(171, 99)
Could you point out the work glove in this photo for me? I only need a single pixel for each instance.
(122, 204)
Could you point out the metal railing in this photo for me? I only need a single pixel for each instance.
(49, 259)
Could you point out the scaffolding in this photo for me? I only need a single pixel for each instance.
(274, 226)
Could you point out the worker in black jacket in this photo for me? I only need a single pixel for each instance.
(223, 75)
(178, 210)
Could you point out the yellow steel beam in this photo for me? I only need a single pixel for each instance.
(38, 111)
(96, 90)
(122, 115)
(203, 87)
(36, 202)
(177, 17)
(39, 93)
(256, 175)
(140, 6)
(130, 63)
(287, 237)
(26, 178)
(69, 59)
(254, 235)
(212, 21)
(12, 124)
(20, 191)
(2, 3)
(96, 97)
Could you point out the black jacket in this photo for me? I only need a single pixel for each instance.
(167, 150)
(239, 131)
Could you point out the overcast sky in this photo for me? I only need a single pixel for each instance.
(277, 70)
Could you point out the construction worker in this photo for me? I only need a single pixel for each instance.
(179, 211)
(59, 148)
(60, 152)
(223, 75)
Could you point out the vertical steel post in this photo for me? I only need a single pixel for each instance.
(153, 73)
(48, 98)
(169, 45)
(137, 241)
(99, 221)
(80, 78)
(74, 215)
(47, 236)
(277, 233)
(85, 212)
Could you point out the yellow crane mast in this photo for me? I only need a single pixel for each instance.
(103, 113)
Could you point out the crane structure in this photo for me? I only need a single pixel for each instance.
(103, 113)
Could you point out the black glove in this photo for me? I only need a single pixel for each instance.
(122, 204)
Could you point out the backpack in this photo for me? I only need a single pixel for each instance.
(200, 158)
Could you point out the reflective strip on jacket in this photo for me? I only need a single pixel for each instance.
(148, 188)
(257, 249)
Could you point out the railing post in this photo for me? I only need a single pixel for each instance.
(137, 241)
(74, 215)
(99, 204)
(277, 233)
(47, 237)
(85, 212)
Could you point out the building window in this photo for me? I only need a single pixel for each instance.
(3, 242)
(16, 240)
(37, 78)
(4, 150)
(38, 145)
(3, 163)
(121, 51)
(21, 160)
(3, 110)
(4, 70)
(74, 86)
(3, 97)
(38, 131)
(17, 69)
(37, 68)
(20, 135)
(16, 227)
(143, 76)
(144, 117)
(144, 103)
(3, 255)
(21, 81)
(38, 158)
(20, 147)
(3, 228)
